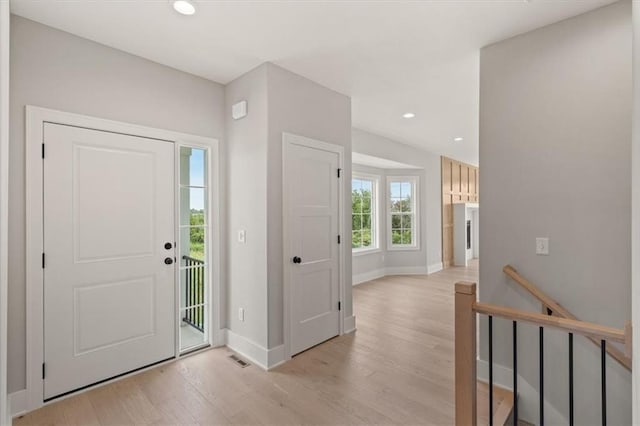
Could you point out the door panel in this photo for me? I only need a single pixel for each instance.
(125, 232)
(98, 326)
(312, 192)
(109, 296)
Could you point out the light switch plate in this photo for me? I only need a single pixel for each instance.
(542, 246)
(242, 236)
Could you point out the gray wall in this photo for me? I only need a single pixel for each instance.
(54, 69)
(635, 247)
(247, 206)
(5, 18)
(555, 146)
(430, 253)
(300, 106)
(278, 101)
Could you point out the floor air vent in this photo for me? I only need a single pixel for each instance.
(239, 361)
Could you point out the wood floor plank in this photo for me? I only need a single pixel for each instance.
(397, 368)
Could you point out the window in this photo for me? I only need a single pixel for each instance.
(402, 215)
(194, 266)
(363, 219)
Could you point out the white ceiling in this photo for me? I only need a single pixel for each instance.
(391, 57)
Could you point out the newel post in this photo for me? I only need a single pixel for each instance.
(465, 349)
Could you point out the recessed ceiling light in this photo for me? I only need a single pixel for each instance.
(184, 7)
(409, 115)
(458, 139)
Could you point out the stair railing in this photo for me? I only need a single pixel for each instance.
(467, 308)
(551, 307)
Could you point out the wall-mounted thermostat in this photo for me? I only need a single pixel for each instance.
(239, 110)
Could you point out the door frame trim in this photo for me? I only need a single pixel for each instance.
(36, 117)
(289, 139)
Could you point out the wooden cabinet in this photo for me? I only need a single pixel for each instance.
(460, 184)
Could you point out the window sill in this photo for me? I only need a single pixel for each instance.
(363, 252)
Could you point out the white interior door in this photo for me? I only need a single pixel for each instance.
(108, 279)
(313, 206)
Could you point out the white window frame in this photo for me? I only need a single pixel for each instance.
(375, 207)
(209, 225)
(415, 181)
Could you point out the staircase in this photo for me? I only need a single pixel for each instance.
(483, 403)
(502, 404)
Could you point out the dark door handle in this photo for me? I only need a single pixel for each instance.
(296, 259)
(168, 260)
(168, 246)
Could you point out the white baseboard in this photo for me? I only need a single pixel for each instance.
(368, 276)
(350, 324)
(18, 403)
(257, 354)
(406, 270)
(436, 267)
(528, 395)
(396, 270)
(275, 357)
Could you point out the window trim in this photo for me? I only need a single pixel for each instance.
(375, 207)
(415, 184)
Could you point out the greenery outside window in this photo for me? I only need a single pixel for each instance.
(402, 215)
(364, 218)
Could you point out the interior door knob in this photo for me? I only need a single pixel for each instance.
(168, 260)
(296, 259)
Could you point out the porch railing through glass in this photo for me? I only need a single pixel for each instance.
(194, 292)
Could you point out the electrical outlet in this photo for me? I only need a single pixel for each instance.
(242, 236)
(542, 246)
(241, 314)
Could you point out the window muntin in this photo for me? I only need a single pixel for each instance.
(363, 213)
(402, 214)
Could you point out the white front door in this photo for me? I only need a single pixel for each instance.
(108, 278)
(313, 259)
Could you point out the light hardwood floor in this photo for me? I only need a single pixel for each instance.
(396, 369)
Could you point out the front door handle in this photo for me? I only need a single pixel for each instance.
(296, 259)
(168, 261)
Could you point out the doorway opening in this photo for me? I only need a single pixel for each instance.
(119, 251)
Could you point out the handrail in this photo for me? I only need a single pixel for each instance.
(548, 303)
(544, 298)
(573, 326)
(467, 309)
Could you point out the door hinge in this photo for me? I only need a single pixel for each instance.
(42, 150)
(339, 306)
(42, 260)
(339, 170)
(338, 239)
(43, 370)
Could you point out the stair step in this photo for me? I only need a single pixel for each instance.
(502, 404)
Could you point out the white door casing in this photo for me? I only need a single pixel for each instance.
(36, 119)
(108, 293)
(312, 254)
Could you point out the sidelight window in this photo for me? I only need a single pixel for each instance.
(194, 250)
